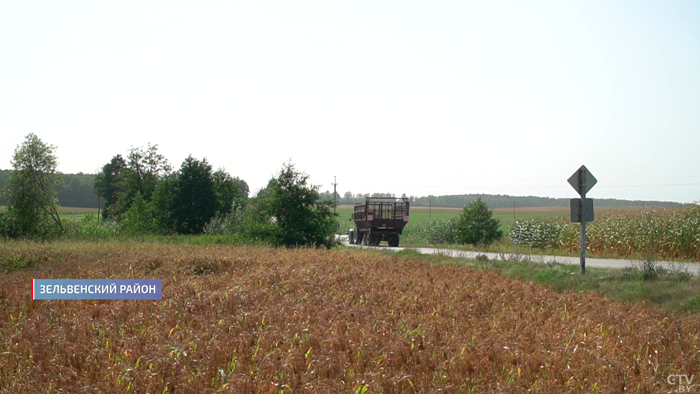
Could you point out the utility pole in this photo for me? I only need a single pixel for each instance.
(335, 200)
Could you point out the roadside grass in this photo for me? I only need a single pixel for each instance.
(505, 247)
(673, 290)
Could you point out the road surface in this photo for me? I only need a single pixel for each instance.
(693, 268)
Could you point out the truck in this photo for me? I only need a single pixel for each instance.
(379, 219)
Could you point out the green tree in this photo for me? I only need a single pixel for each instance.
(30, 191)
(476, 224)
(195, 201)
(231, 193)
(163, 202)
(77, 190)
(4, 175)
(109, 184)
(301, 219)
(121, 179)
(242, 186)
(146, 167)
(141, 218)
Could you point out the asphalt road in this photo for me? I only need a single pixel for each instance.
(693, 268)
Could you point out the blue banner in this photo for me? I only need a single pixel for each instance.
(97, 289)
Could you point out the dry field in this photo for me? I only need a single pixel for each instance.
(564, 210)
(76, 209)
(260, 320)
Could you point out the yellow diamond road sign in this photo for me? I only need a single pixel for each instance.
(582, 180)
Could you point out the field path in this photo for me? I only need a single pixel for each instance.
(693, 268)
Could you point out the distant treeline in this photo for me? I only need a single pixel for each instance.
(76, 191)
(502, 201)
(493, 200)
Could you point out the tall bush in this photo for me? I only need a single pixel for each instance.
(476, 225)
(300, 218)
(30, 191)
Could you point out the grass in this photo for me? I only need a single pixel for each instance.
(261, 320)
(71, 213)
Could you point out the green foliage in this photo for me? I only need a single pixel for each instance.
(145, 196)
(90, 228)
(164, 202)
(30, 191)
(120, 180)
(4, 175)
(77, 190)
(110, 184)
(6, 225)
(146, 166)
(195, 201)
(140, 218)
(536, 233)
(224, 224)
(300, 218)
(436, 231)
(476, 225)
(231, 193)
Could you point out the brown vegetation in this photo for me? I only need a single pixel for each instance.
(260, 320)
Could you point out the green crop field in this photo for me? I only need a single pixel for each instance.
(421, 215)
(69, 212)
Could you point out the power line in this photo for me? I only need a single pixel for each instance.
(656, 185)
(559, 180)
(385, 186)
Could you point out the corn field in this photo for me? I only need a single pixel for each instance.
(662, 233)
(433, 232)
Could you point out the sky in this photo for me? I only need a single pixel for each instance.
(440, 97)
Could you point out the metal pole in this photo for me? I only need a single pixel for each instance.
(430, 212)
(582, 183)
(583, 235)
(335, 200)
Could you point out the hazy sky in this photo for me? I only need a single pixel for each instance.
(439, 97)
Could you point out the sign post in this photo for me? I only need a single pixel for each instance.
(582, 209)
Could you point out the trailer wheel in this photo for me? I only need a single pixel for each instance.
(357, 237)
(394, 240)
(351, 236)
(371, 239)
